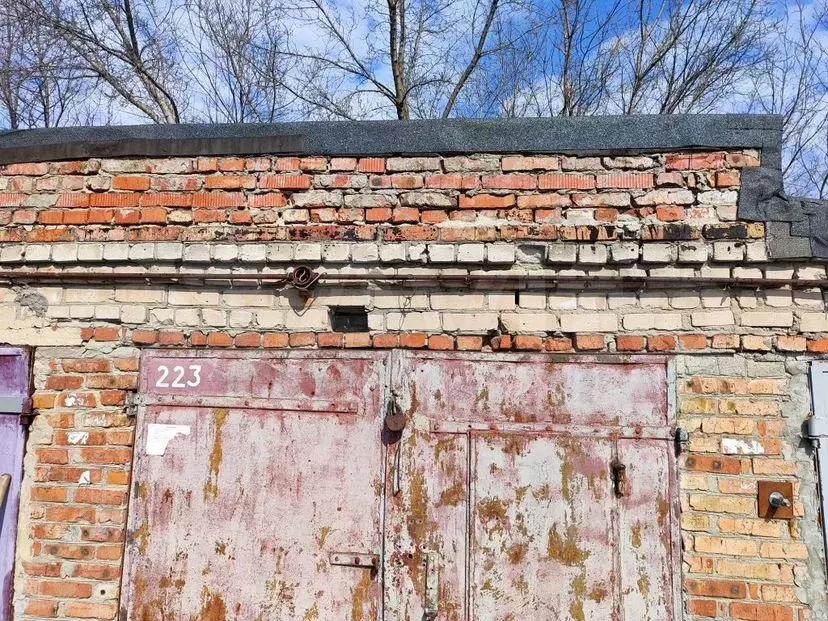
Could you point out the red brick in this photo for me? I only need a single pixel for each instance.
(371, 165)
(113, 397)
(502, 342)
(727, 178)
(276, 340)
(565, 181)
(218, 200)
(41, 608)
(718, 465)
(696, 161)
(95, 496)
(219, 339)
(111, 199)
(90, 610)
(330, 339)
(818, 346)
(386, 341)
(133, 183)
(510, 182)
(378, 214)
(558, 343)
(413, 340)
(761, 612)
(50, 494)
(624, 181)
(670, 213)
(285, 182)
(71, 514)
(248, 339)
(728, 589)
(271, 199)
(87, 365)
(405, 214)
(529, 343)
(65, 588)
(630, 343)
(52, 456)
(106, 455)
(170, 338)
(470, 343)
(452, 182)
(302, 339)
(589, 342)
(661, 343)
(144, 337)
(106, 334)
(791, 343)
(441, 342)
(693, 341)
(64, 382)
(725, 341)
(702, 608)
(487, 201)
(606, 214)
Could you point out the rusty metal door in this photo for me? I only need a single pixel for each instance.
(527, 489)
(258, 487)
(14, 401)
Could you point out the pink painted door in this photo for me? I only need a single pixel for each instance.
(14, 398)
(529, 489)
(258, 488)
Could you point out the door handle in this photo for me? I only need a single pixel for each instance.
(5, 484)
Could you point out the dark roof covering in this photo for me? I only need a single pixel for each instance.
(602, 134)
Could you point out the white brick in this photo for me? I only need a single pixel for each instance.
(658, 253)
(37, 252)
(813, 322)
(756, 252)
(169, 251)
(238, 299)
(500, 253)
(164, 316)
(197, 253)
(810, 272)
(710, 319)
(654, 299)
(94, 295)
(692, 252)
(592, 254)
(501, 301)
(592, 301)
(252, 253)
(214, 317)
(620, 299)
(652, 321)
(308, 252)
(280, 253)
(529, 322)
(270, 318)
(685, 300)
(365, 253)
(187, 317)
(624, 252)
(142, 252)
(768, 319)
(561, 253)
(64, 253)
(108, 312)
(808, 297)
(417, 253)
(778, 298)
(717, 197)
(11, 254)
(336, 252)
(728, 251)
(562, 300)
(240, 318)
(535, 300)
(412, 164)
(193, 298)
(84, 311)
(307, 319)
(589, 322)
(471, 253)
(715, 298)
(109, 252)
(469, 322)
(666, 197)
(418, 322)
(133, 295)
(392, 253)
(457, 301)
(133, 314)
(442, 253)
(225, 252)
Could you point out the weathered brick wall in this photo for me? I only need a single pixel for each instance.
(741, 350)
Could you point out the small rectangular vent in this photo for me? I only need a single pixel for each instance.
(349, 319)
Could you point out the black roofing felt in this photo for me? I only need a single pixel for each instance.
(797, 228)
(602, 134)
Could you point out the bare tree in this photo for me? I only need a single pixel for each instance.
(414, 57)
(792, 81)
(236, 59)
(132, 46)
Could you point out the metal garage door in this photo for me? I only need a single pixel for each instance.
(267, 487)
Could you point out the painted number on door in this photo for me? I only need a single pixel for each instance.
(178, 376)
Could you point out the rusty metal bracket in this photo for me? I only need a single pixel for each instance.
(302, 278)
(354, 559)
(432, 587)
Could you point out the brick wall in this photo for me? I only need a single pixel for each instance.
(666, 222)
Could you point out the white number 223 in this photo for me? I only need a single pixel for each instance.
(178, 374)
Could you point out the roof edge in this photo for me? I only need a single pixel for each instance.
(565, 135)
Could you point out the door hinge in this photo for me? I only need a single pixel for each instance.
(619, 477)
(132, 403)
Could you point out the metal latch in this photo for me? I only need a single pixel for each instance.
(354, 559)
(619, 477)
(394, 417)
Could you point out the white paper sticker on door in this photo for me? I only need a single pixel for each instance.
(158, 436)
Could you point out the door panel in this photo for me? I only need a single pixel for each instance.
(427, 493)
(541, 546)
(254, 513)
(14, 396)
(645, 517)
